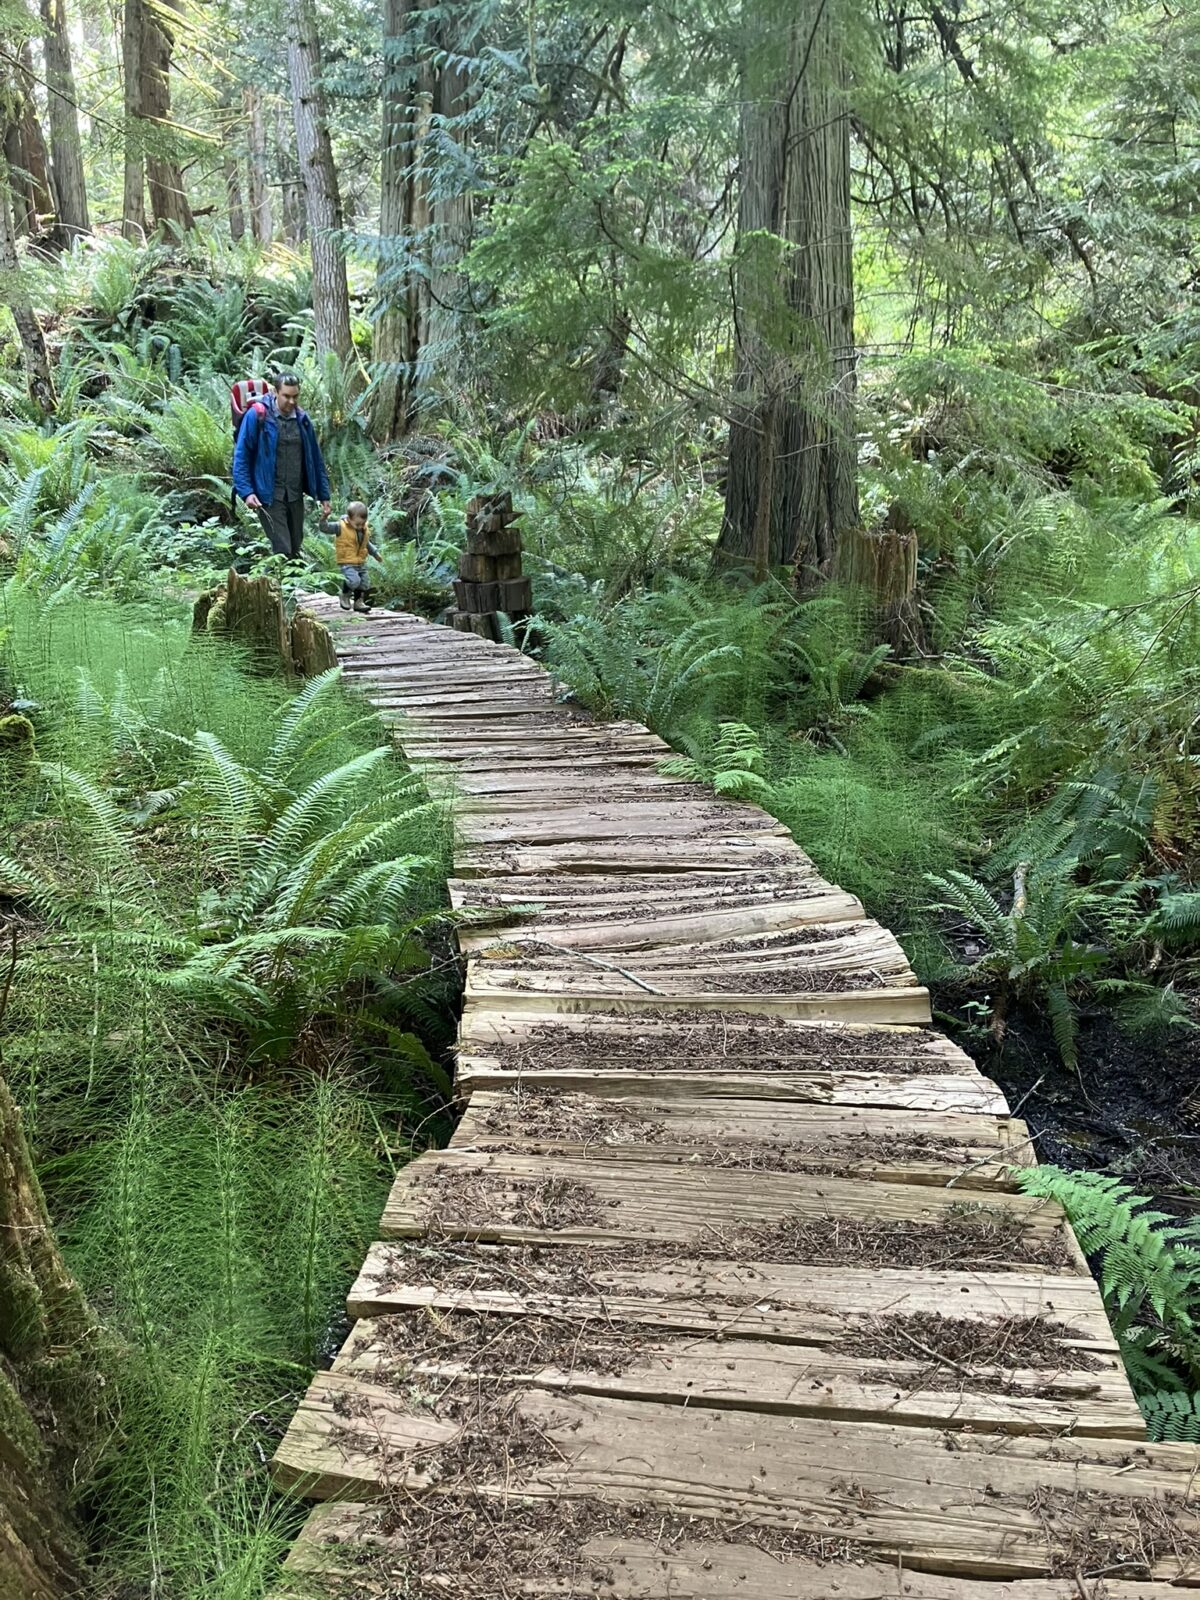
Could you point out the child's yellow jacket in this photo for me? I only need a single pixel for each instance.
(350, 549)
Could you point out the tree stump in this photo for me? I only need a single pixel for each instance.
(882, 562)
(490, 581)
(49, 1388)
(250, 611)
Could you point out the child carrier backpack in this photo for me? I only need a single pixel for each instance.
(245, 393)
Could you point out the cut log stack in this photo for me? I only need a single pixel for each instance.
(490, 581)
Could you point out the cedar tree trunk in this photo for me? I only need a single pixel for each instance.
(14, 294)
(164, 175)
(261, 223)
(402, 295)
(133, 205)
(795, 303)
(66, 147)
(331, 296)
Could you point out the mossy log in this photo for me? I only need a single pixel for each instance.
(49, 1384)
(311, 645)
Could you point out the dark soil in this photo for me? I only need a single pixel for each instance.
(1133, 1109)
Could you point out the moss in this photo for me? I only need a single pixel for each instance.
(16, 732)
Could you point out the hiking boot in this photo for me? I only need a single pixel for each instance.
(344, 600)
(361, 605)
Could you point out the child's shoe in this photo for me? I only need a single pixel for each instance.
(360, 604)
(344, 599)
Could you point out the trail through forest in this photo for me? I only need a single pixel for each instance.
(831, 373)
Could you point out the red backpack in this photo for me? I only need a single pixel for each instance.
(246, 392)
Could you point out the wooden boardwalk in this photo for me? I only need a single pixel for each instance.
(722, 1290)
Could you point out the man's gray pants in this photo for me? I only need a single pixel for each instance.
(283, 524)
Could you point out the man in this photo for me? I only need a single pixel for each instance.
(276, 462)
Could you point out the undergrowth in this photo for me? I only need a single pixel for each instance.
(231, 990)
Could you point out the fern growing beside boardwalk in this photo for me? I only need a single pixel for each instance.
(1148, 1267)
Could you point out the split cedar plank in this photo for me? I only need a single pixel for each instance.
(792, 1380)
(345, 1543)
(853, 1141)
(744, 1299)
(903, 1493)
(489, 788)
(667, 893)
(947, 1092)
(566, 994)
(827, 1044)
(627, 1202)
(640, 931)
(728, 852)
(850, 947)
(692, 824)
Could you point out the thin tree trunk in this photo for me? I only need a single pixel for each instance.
(295, 223)
(164, 175)
(402, 296)
(133, 204)
(261, 224)
(233, 196)
(453, 216)
(795, 167)
(13, 293)
(331, 295)
(66, 147)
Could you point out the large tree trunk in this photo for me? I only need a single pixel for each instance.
(48, 1385)
(402, 294)
(795, 305)
(133, 204)
(261, 224)
(33, 197)
(14, 294)
(331, 296)
(232, 171)
(164, 175)
(66, 147)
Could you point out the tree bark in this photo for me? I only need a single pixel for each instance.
(29, 180)
(795, 305)
(164, 175)
(452, 219)
(295, 222)
(402, 294)
(133, 204)
(331, 295)
(49, 1390)
(14, 294)
(261, 223)
(66, 147)
(233, 197)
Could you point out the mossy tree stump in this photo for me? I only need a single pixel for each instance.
(250, 612)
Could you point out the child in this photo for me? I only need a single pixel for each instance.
(351, 547)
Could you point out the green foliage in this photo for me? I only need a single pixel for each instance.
(732, 761)
(225, 892)
(1149, 1272)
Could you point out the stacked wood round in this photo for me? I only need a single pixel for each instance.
(490, 581)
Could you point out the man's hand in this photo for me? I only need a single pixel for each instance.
(326, 508)
(254, 502)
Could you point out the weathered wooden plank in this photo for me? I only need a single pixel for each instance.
(648, 929)
(523, 1199)
(760, 1135)
(354, 1543)
(801, 1304)
(492, 983)
(1013, 1509)
(726, 852)
(1082, 1394)
(947, 1092)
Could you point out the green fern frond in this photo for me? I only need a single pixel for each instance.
(1170, 1416)
(284, 753)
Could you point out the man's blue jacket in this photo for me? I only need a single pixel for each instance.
(254, 455)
